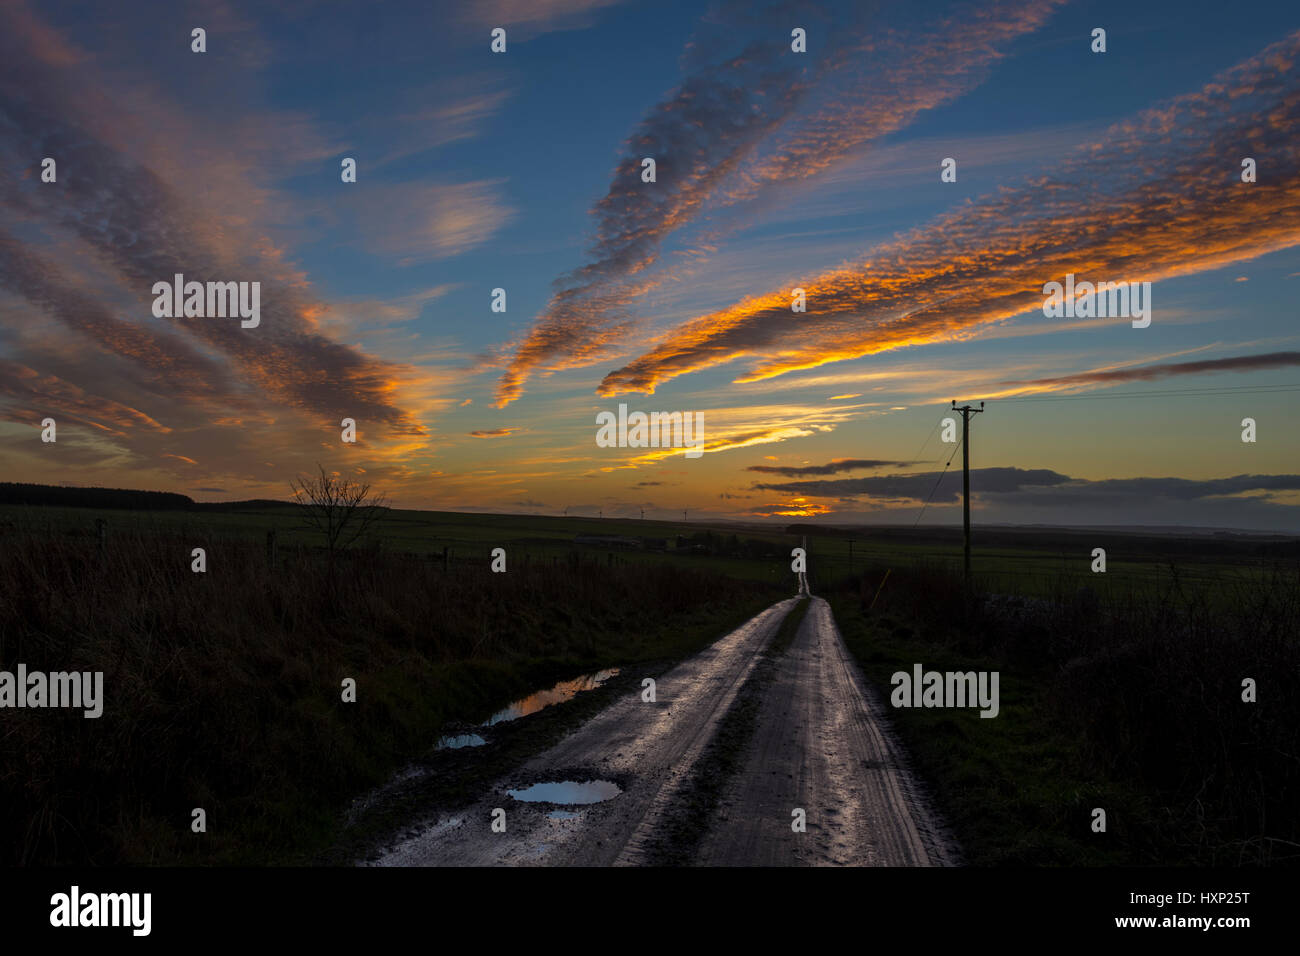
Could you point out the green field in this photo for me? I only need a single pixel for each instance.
(469, 537)
(1039, 562)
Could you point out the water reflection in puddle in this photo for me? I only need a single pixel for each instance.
(564, 690)
(567, 792)
(460, 740)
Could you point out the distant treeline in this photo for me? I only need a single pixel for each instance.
(21, 493)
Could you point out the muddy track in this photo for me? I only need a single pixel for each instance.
(816, 745)
(822, 745)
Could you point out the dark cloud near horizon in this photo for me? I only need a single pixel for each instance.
(919, 486)
(832, 468)
(1032, 486)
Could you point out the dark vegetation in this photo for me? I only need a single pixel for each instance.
(19, 493)
(223, 689)
(1131, 701)
(727, 545)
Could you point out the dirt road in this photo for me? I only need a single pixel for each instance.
(820, 746)
(817, 745)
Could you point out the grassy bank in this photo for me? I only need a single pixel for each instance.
(1132, 704)
(223, 688)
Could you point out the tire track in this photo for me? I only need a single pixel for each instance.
(649, 749)
(822, 745)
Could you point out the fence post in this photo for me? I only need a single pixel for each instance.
(270, 548)
(444, 557)
(101, 532)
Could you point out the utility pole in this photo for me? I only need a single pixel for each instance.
(966, 412)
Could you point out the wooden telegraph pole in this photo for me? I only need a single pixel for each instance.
(966, 412)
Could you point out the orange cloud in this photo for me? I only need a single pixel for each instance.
(1156, 199)
(738, 127)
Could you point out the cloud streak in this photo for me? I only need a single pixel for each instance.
(141, 229)
(750, 119)
(1159, 197)
(1035, 485)
(1151, 373)
(831, 468)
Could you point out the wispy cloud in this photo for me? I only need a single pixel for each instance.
(1160, 197)
(730, 134)
(728, 429)
(1149, 373)
(421, 222)
(118, 209)
(534, 17)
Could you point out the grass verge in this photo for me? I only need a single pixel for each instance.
(1134, 707)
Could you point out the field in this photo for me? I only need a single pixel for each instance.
(224, 686)
(1133, 703)
(1034, 562)
(469, 538)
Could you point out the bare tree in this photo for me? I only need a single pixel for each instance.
(339, 508)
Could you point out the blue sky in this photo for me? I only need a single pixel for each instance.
(519, 170)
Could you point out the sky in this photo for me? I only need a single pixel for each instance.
(776, 169)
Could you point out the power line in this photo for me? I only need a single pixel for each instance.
(926, 503)
(925, 444)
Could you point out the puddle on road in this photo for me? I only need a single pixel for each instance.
(564, 690)
(568, 792)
